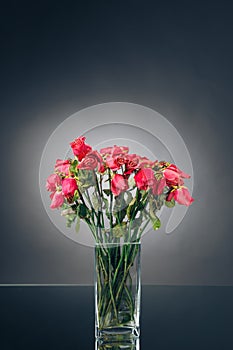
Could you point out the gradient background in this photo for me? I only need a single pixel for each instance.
(60, 57)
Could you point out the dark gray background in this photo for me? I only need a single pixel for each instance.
(60, 57)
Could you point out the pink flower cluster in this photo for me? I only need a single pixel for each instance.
(60, 189)
(119, 165)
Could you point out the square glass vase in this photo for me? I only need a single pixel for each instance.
(117, 279)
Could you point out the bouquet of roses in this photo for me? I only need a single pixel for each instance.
(114, 191)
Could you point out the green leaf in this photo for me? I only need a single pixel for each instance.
(119, 202)
(136, 223)
(129, 197)
(95, 202)
(120, 214)
(156, 223)
(152, 213)
(120, 207)
(76, 195)
(73, 167)
(70, 219)
(131, 208)
(152, 207)
(65, 206)
(106, 207)
(83, 211)
(171, 203)
(119, 230)
(77, 226)
(86, 179)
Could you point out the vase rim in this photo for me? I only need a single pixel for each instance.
(116, 243)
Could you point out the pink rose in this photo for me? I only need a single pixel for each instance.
(158, 186)
(114, 156)
(119, 184)
(111, 163)
(57, 199)
(52, 182)
(114, 151)
(80, 149)
(181, 196)
(174, 175)
(92, 161)
(69, 186)
(144, 162)
(62, 166)
(132, 163)
(119, 150)
(144, 178)
(114, 163)
(120, 160)
(106, 150)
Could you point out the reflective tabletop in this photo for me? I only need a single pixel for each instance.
(62, 317)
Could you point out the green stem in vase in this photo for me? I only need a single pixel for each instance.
(110, 288)
(111, 202)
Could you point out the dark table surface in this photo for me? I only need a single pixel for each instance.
(62, 317)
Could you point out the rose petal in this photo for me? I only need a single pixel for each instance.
(57, 200)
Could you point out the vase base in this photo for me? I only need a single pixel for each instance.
(132, 344)
(118, 334)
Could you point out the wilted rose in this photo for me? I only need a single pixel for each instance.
(92, 161)
(57, 199)
(181, 195)
(144, 178)
(111, 163)
(80, 149)
(119, 184)
(114, 151)
(52, 182)
(174, 175)
(62, 166)
(132, 163)
(115, 163)
(144, 162)
(158, 186)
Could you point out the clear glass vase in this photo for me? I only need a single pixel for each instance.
(117, 291)
(132, 344)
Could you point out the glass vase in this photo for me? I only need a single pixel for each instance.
(117, 291)
(132, 344)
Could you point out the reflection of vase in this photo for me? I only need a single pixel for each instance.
(126, 345)
(117, 291)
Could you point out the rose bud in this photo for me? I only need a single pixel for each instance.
(80, 149)
(119, 184)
